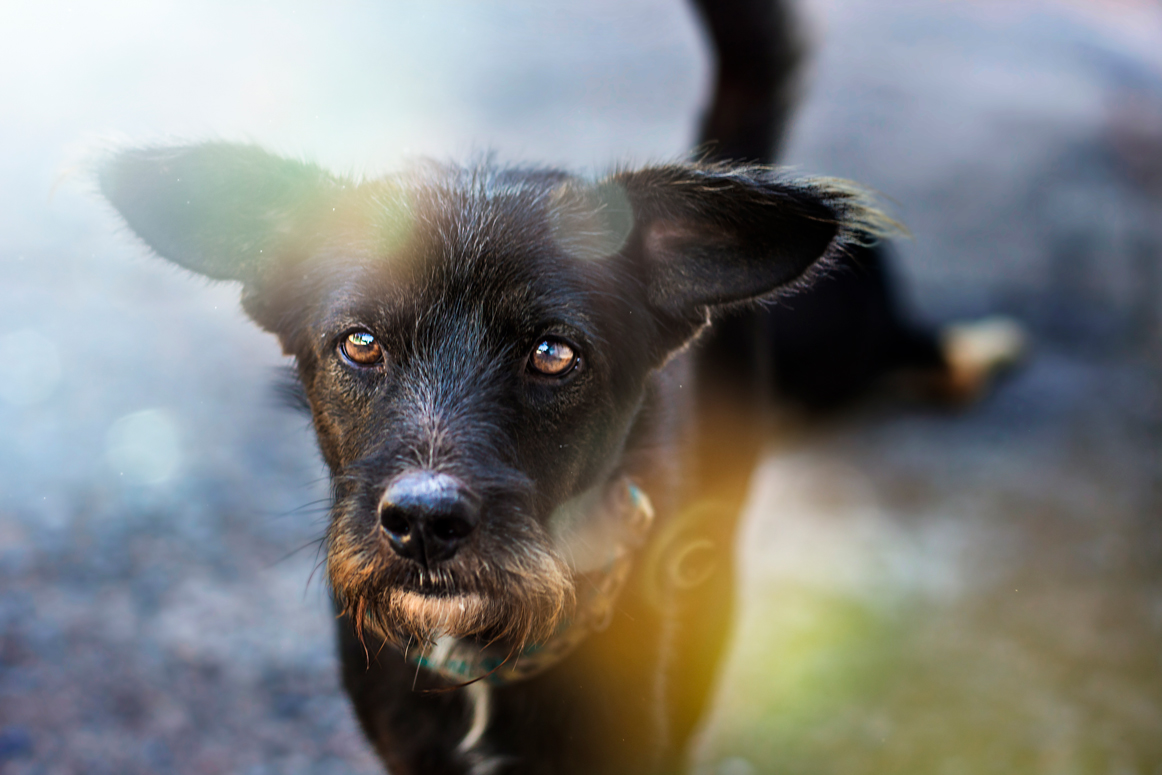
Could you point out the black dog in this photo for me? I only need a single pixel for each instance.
(536, 480)
(496, 363)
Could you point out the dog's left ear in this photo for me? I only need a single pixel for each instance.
(224, 210)
(711, 236)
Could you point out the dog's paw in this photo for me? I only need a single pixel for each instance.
(976, 353)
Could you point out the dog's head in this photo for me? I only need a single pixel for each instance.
(475, 343)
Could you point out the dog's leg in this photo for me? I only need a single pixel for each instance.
(414, 732)
(834, 342)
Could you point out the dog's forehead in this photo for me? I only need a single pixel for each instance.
(495, 240)
(482, 242)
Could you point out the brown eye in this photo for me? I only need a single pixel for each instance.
(553, 358)
(361, 348)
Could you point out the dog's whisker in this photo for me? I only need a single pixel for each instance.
(315, 542)
(322, 505)
(320, 561)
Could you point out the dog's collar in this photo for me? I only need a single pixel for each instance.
(463, 661)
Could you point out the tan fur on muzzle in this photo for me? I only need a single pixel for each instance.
(512, 596)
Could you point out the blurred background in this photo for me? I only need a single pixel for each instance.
(928, 592)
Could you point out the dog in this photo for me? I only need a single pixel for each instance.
(538, 444)
(532, 567)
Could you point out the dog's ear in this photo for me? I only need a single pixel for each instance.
(711, 236)
(222, 210)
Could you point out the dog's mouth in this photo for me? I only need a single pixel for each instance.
(515, 585)
(440, 615)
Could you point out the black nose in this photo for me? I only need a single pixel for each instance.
(427, 516)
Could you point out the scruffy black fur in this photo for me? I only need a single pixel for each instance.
(458, 273)
(416, 307)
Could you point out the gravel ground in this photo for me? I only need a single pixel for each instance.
(967, 592)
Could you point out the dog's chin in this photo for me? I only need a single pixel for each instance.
(428, 617)
(404, 615)
(519, 600)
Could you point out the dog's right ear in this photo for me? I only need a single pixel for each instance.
(223, 210)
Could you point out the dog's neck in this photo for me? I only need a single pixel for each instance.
(598, 532)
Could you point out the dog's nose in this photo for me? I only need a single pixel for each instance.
(427, 516)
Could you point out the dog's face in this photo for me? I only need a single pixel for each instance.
(475, 344)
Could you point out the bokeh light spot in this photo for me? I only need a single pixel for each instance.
(602, 227)
(144, 447)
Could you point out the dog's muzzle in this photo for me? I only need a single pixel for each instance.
(622, 505)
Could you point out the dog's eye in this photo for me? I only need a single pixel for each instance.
(360, 348)
(553, 358)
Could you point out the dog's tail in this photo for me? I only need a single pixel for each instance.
(758, 50)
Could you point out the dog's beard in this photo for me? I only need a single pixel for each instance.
(512, 589)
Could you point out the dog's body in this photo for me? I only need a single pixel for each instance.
(536, 479)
